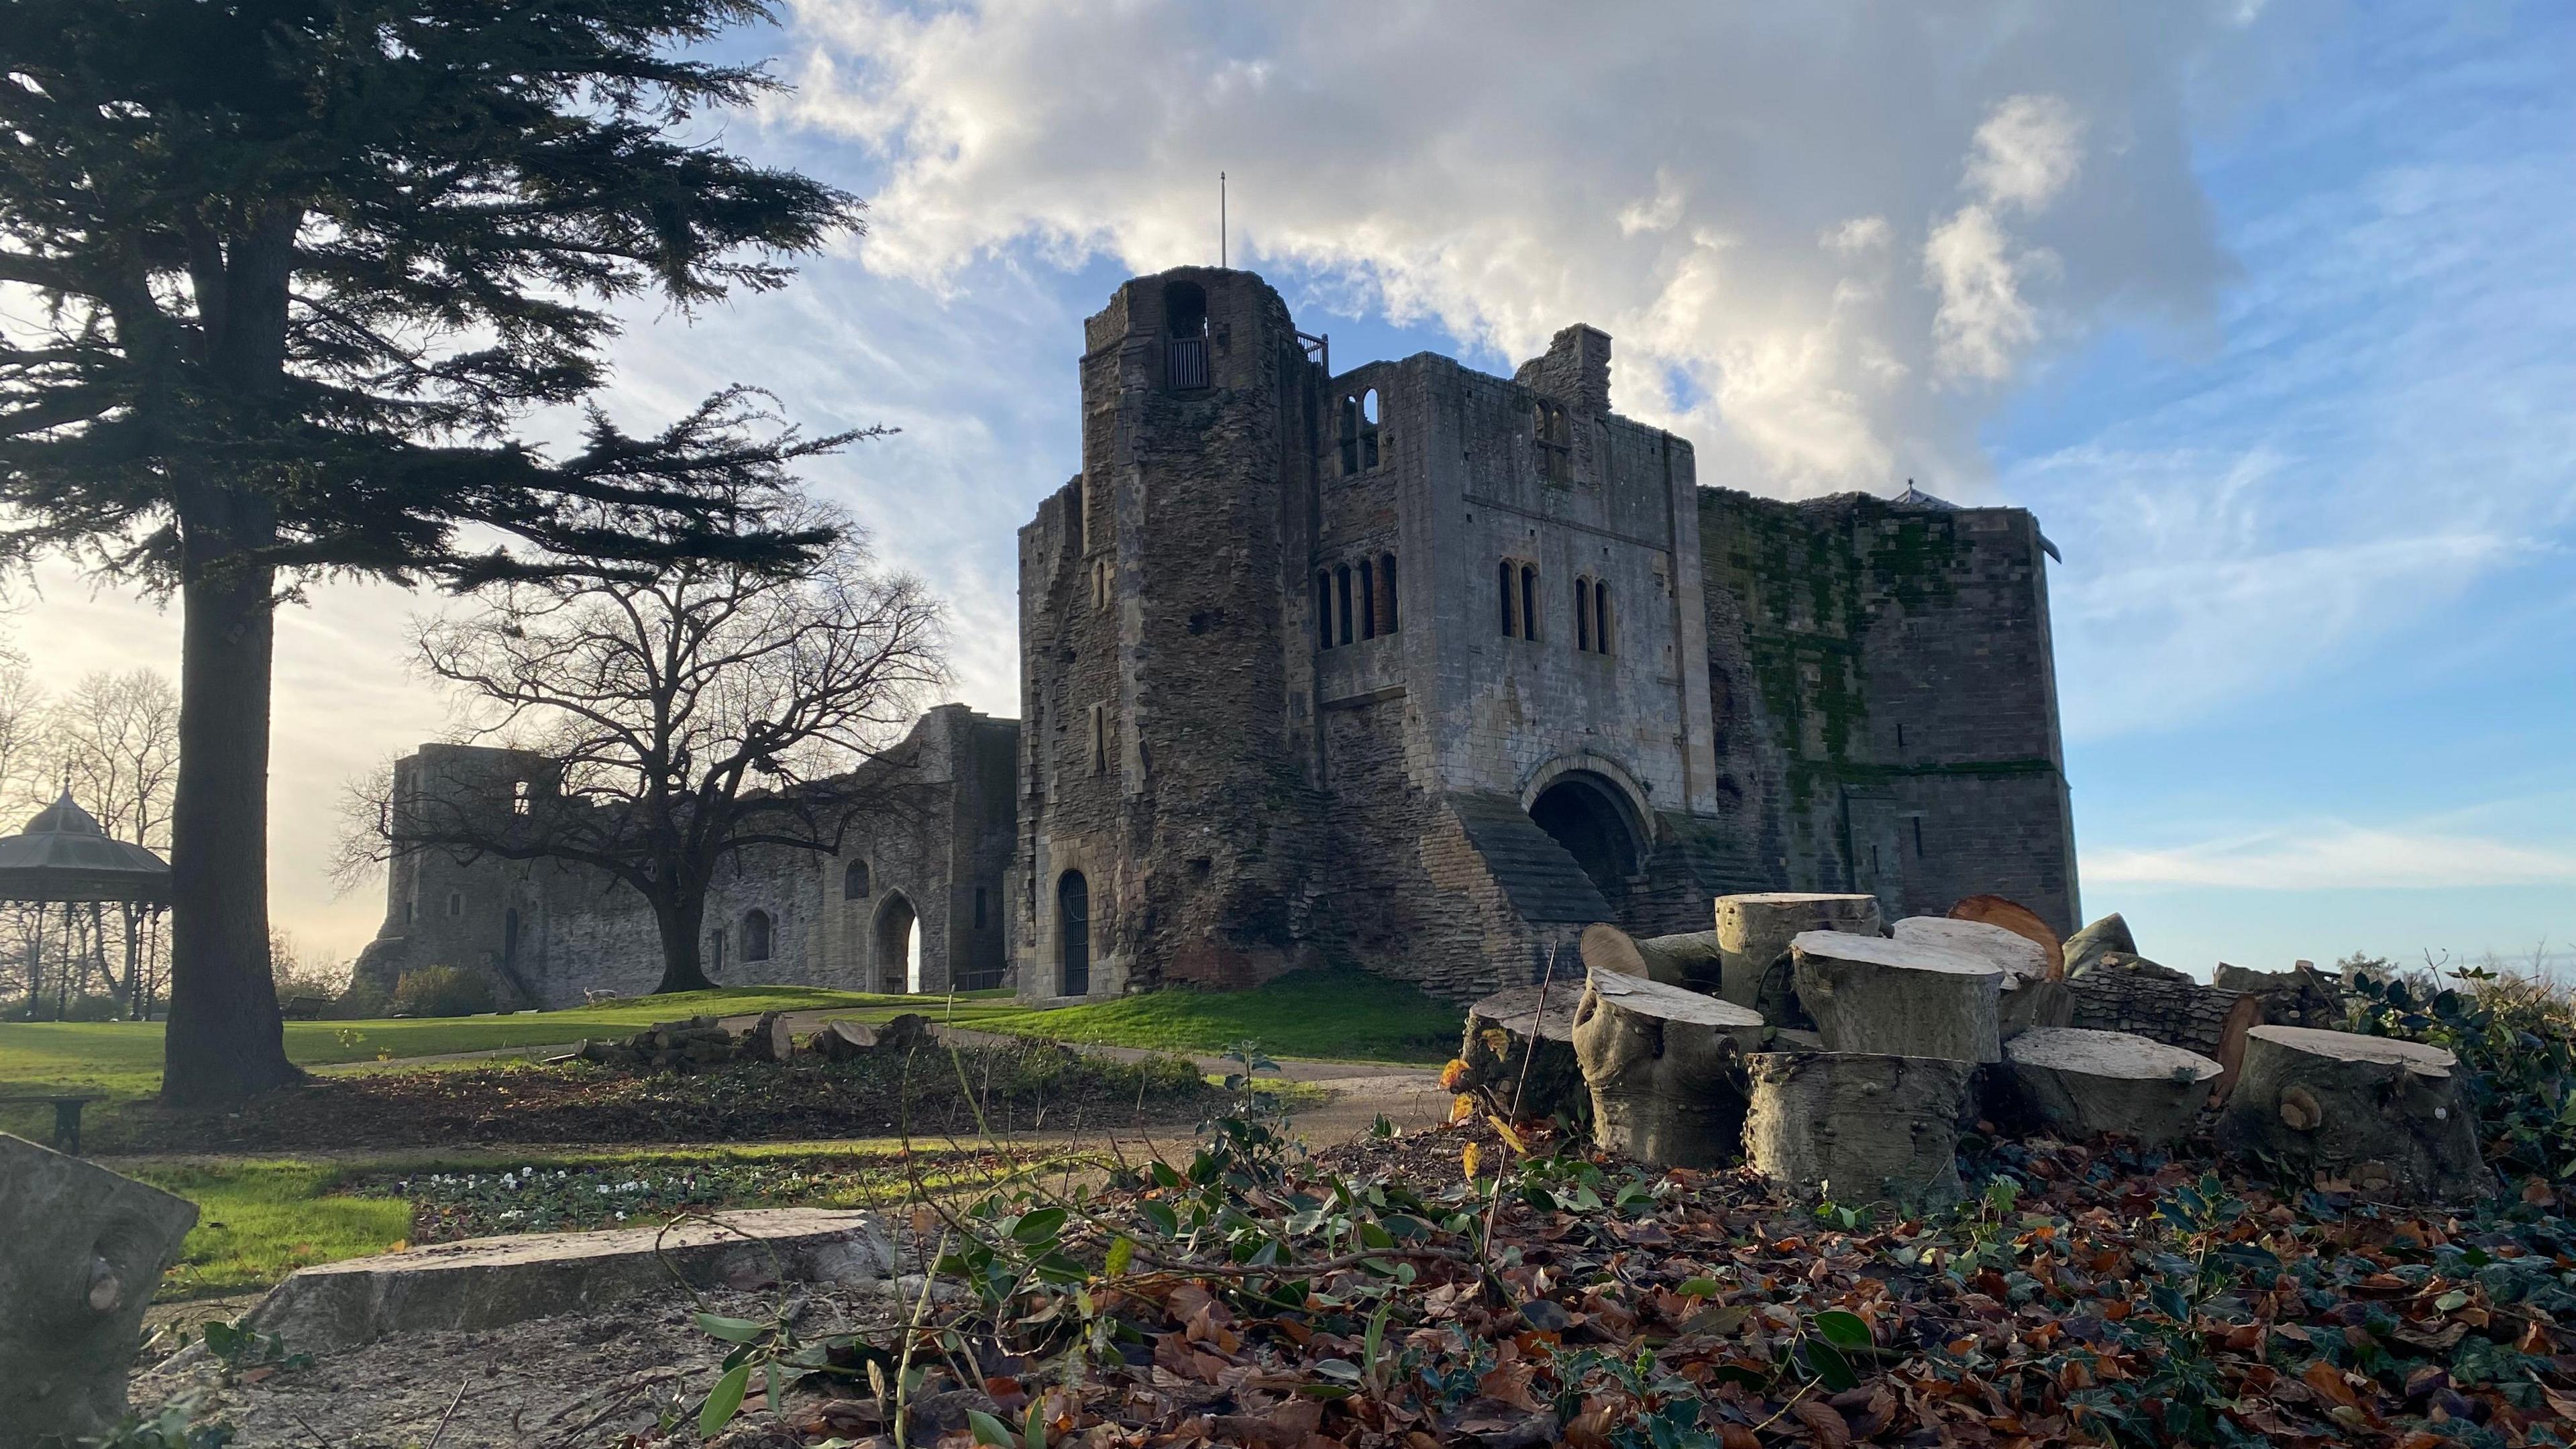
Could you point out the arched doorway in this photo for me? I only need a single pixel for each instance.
(1073, 932)
(1589, 817)
(898, 953)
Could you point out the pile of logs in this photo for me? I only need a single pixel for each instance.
(1841, 1059)
(702, 1042)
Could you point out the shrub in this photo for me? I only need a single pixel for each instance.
(443, 991)
(2516, 1035)
(363, 1001)
(87, 1006)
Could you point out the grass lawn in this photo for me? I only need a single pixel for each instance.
(261, 1219)
(1339, 1015)
(123, 1058)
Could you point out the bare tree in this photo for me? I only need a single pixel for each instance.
(712, 710)
(113, 738)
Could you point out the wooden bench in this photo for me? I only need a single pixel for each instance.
(67, 1111)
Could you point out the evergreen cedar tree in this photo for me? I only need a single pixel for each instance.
(287, 276)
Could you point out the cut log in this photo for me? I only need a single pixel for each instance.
(1685, 960)
(81, 1252)
(2030, 997)
(1500, 1032)
(2121, 992)
(2089, 945)
(841, 1040)
(1664, 1066)
(1898, 998)
(2242, 1017)
(768, 1040)
(1857, 1128)
(2019, 919)
(2300, 996)
(2365, 1114)
(1753, 936)
(2087, 1083)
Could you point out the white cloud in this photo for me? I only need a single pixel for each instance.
(1984, 323)
(2333, 855)
(2026, 152)
(1504, 177)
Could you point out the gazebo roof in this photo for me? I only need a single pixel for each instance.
(63, 855)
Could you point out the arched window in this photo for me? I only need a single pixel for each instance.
(1529, 602)
(1350, 435)
(1387, 619)
(1073, 933)
(1601, 617)
(1323, 609)
(1358, 432)
(1368, 600)
(854, 881)
(1510, 577)
(755, 936)
(1368, 429)
(1342, 603)
(1583, 616)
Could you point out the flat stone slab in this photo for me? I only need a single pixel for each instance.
(488, 1282)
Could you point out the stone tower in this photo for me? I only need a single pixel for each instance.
(1162, 792)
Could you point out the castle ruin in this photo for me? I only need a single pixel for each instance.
(1409, 667)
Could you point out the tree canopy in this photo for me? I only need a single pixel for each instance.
(287, 282)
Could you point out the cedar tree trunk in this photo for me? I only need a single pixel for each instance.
(225, 1041)
(679, 921)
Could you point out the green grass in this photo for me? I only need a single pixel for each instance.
(258, 1221)
(1339, 1015)
(123, 1058)
(261, 1219)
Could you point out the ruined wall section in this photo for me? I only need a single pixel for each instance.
(549, 933)
(1180, 784)
(1881, 681)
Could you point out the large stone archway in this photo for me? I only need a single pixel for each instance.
(1588, 814)
(895, 945)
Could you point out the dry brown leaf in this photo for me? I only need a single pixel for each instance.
(1830, 1429)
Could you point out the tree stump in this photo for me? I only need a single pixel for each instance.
(2366, 1114)
(1857, 1127)
(2019, 919)
(1685, 960)
(1753, 936)
(1501, 1031)
(2087, 1083)
(2085, 947)
(2031, 997)
(768, 1040)
(81, 1251)
(1898, 998)
(1665, 1069)
(2121, 992)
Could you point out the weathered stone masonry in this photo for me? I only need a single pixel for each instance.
(1421, 669)
(924, 872)
(1409, 667)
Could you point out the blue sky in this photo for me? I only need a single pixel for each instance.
(2267, 309)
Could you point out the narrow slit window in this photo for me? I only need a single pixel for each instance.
(1386, 594)
(1323, 609)
(1582, 616)
(1342, 604)
(1511, 596)
(1368, 430)
(1368, 601)
(1529, 602)
(1918, 837)
(1601, 617)
(1350, 436)
(1099, 738)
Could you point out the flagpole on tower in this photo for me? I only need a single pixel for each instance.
(1220, 221)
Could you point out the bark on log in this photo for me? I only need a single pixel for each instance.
(2019, 919)
(2365, 1114)
(1665, 1069)
(1857, 1127)
(1685, 960)
(2086, 1083)
(81, 1251)
(768, 1040)
(1753, 936)
(1898, 998)
(1500, 1032)
(2090, 945)
(2120, 992)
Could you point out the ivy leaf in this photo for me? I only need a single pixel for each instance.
(1831, 1369)
(1039, 1227)
(989, 1430)
(731, 1330)
(724, 1401)
(1843, 1330)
